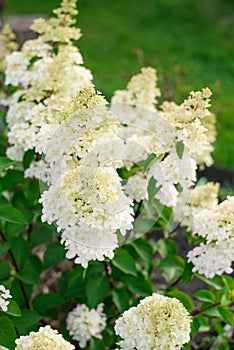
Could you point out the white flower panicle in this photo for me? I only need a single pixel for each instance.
(48, 71)
(4, 295)
(7, 45)
(158, 322)
(89, 206)
(213, 258)
(82, 323)
(147, 131)
(192, 201)
(89, 135)
(46, 338)
(216, 226)
(141, 90)
(194, 124)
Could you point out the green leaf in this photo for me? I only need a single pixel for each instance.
(152, 189)
(11, 214)
(28, 157)
(195, 325)
(71, 283)
(20, 202)
(205, 295)
(94, 277)
(3, 200)
(40, 235)
(184, 298)
(96, 344)
(143, 225)
(144, 249)
(12, 178)
(226, 314)
(172, 261)
(4, 270)
(204, 325)
(44, 302)
(215, 282)
(188, 273)
(31, 272)
(5, 163)
(166, 247)
(7, 333)
(27, 322)
(4, 247)
(54, 254)
(20, 250)
(120, 299)
(124, 262)
(172, 266)
(180, 149)
(13, 309)
(12, 230)
(149, 162)
(138, 285)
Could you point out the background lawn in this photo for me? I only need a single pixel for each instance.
(191, 43)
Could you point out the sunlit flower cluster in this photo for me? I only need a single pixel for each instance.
(194, 124)
(158, 322)
(86, 198)
(147, 131)
(48, 71)
(82, 323)
(4, 295)
(46, 338)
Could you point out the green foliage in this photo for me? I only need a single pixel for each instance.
(45, 286)
(7, 333)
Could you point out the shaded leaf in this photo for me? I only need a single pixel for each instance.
(205, 295)
(54, 254)
(124, 262)
(7, 333)
(96, 284)
(120, 299)
(11, 214)
(5, 163)
(13, 309)
(44, 302)
(27, 322)
(226, 314)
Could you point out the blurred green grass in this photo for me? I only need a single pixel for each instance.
(191, 43)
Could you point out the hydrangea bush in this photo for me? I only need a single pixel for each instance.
(108, 239)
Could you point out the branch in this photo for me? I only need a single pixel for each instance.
(196, 313)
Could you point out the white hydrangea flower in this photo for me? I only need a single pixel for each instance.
(192, 201)
(216, 225)
(82, 323)
(194, 124)
(88, 206)
(172, 171)
(46, 338)
(158, 322)
(147, 131)
(49, 73)
(136, 187)
(213, 258)
(4, 295)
